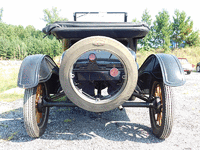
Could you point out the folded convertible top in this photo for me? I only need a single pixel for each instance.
(85, 29)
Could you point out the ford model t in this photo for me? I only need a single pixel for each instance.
(98, 73)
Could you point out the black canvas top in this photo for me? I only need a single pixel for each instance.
(85, 29)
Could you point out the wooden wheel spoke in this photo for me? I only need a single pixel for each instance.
(38, 97)
(160, 120)
(158, 93)
(158, 116)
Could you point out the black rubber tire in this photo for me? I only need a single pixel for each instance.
(188, 72)
(112, 46)
(163, 130)
(29, 112)
(198, 69)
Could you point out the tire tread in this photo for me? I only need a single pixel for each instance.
(169, 112)
(30, 122)
(163, 131)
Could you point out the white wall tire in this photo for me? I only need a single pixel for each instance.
(109, 45)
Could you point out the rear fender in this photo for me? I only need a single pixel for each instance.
(36, 69)
(163, 67)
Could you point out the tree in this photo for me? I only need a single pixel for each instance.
(146, 17)
(193, 39)
(17, 42)
(181, 28)
(1, 14)
(146, 41)
(162, 30)
(135, 20)
(50, 16)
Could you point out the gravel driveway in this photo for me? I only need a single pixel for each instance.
(75, 128)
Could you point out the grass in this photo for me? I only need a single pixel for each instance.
(8, 80)
(11, 136)
(67, 120)
(61, 99)
(10, 97)
(5, 126)
(191, 53)
(57, 60)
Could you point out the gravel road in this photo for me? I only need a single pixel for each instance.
(75, 128)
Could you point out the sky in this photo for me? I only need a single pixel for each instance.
(25, 12)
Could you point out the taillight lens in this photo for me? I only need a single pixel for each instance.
(92, 57)
(114, 72)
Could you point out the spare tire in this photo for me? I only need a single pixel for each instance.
(98, 43)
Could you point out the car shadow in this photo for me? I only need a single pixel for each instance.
(74, 123)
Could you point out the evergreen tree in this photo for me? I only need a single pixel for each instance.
(193, 39)
(181, 28)
(1, 14)
(146, 41)
(146, 17)
(135, 20)
(162, 30)
(50, 16)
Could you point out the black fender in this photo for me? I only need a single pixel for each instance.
(36, 69)
(161, 67)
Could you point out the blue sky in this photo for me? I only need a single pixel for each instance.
(24, 12)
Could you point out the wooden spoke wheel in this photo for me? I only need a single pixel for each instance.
(162, 116)
(35, 118)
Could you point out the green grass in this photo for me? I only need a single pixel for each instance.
(67, 120)
(11, 136)
(191, 53)
(10, 97)
(5, 126)
(8, 80)
(61, 99)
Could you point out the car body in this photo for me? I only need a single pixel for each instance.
(99, 72)
(187, 67)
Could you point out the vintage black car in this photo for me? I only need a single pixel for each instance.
(98, 73)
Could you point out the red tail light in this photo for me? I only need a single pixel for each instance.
(114, 72)
(92, 57)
